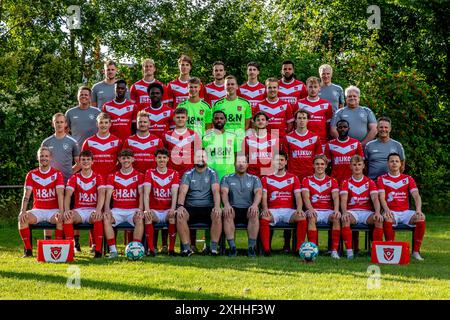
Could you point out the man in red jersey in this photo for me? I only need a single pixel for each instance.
(281, 202)
(47, 186)
(291, 90)
(87, 188)
(359, 203)
(394, 189)
(340, 152)
(321, 196)
(178, 89)
(260, 147)
(122, 111)
(160, 199)
(161, 115)
(280, 114)
(138, 91)
(125, 188)
(319, 109)
(143, 144)
(216, 90)
(253, 91)
(104, 146)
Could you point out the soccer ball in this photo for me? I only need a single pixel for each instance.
(134, 250)
(308, 251)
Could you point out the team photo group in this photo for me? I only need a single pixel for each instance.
(221, 154)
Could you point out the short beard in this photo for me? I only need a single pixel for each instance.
(201, 166)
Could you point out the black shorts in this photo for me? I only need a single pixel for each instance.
(240, 215)
(199, 215)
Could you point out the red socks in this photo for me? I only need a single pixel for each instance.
(347, 236)
(59, 234)
(68, 231)
(25, 235)
(377, 234)
(149, 236)
(172, 236)
(301, 233)
(389, 234)
(419, 232)
(313, 237)
(264, 231)
(335, 238)
(98, 235)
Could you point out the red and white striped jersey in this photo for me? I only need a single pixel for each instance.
(301, 150)
(280, 190)
(178, 91)
(359, 193)
(396, 190)
(144, 150)
(85, 189)
(214, 93)
(125, 189)
(181, 147)
(293, 91)
(252, 93)
(105, 152)
(139, 95)
(122, 115)
(279, 113)
(339, 153)
(44, 185)
(321, 113)
(320, 191)
(260, 152)
(161, 119)
(161, 187)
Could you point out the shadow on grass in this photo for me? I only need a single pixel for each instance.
(118, 287)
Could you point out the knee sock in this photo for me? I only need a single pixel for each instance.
(264, 231)
(419, 232)
(301, 233)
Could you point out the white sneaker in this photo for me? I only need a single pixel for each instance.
(113, 255)
(417, 256)
(334, 255)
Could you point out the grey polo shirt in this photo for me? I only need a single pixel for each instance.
(64, 151)
(334, 94)
(241, 189)
(82, 123)
(200, 187)
(376, 153)
(358, 118)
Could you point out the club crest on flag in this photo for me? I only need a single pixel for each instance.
(388, 253)
(55, 252)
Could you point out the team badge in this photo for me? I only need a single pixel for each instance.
(249, 184)
(128, 108)
(361, 114)
(352, 147)
(388, 253)
(261, 91)
(91, 116)
(404, 181)
(239, 108)
(229, 141)
(202, 112)
(55, 252)
(65, 146)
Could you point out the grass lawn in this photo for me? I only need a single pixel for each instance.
(198, 277)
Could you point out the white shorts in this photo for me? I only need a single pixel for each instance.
(281, 215)
(123, 215)
(323, 216)
(85, 214)
(44, 214)
(361, 216)
(403, 217)
(161, 215)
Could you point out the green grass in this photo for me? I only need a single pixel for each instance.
(198, 277)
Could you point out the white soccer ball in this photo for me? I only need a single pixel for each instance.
(308, 251)
(134, 250)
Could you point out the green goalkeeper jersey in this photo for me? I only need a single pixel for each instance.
(199, 115)
(237, 112)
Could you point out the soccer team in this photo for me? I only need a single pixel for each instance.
(220, 154)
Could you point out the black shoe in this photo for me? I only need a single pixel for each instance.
(150, 253)
(172, 253)
(27, 253)
(267, 254)
(286, 249)
(77, 247)
(232, 252)
(206, 251)
(251, 252)
(97, 255)
(186, 253)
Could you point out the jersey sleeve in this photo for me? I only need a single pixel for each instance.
(133, 94)
(359, 149)
(71, 183)
(140, 180)
(59, 180)
(289, 113)
(125, 144)
(85, 145)
(176, 179)
(380, 185)
(214, 177)
(264, 183)
(372, 187)
(334, 185)
(401, 151)
(208, 116)
(335, 119)
(329, 114)
(94, 94)
(202, 91)
(100, 182)
(344, 187)
(186, 179)
(169, 96)
(257, 184)
(224, 182)
(318, 147)
(297, 185)
(305, 184)
(371, 117)
(303, 92)
(29, 181)
(76, 149)
(110, 181)
(248, 110)
(327, 151)
(412, 185)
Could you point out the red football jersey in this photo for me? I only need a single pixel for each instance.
(178, 91)
(144, 150)
(396, 190)
(85, 189)
(181, 147)
(139, 95)
(260, 152)
(280, 190)
(279, 113)
(320, 191)
(359, 193)
(161, 119)
(125, 189)
(301, 151)
(105, 152)
(252, 93)
(340, 153)
(161, 187)
(44, 185)
(214, 93)
(122, 115)
(292, 92)
(321, 113)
